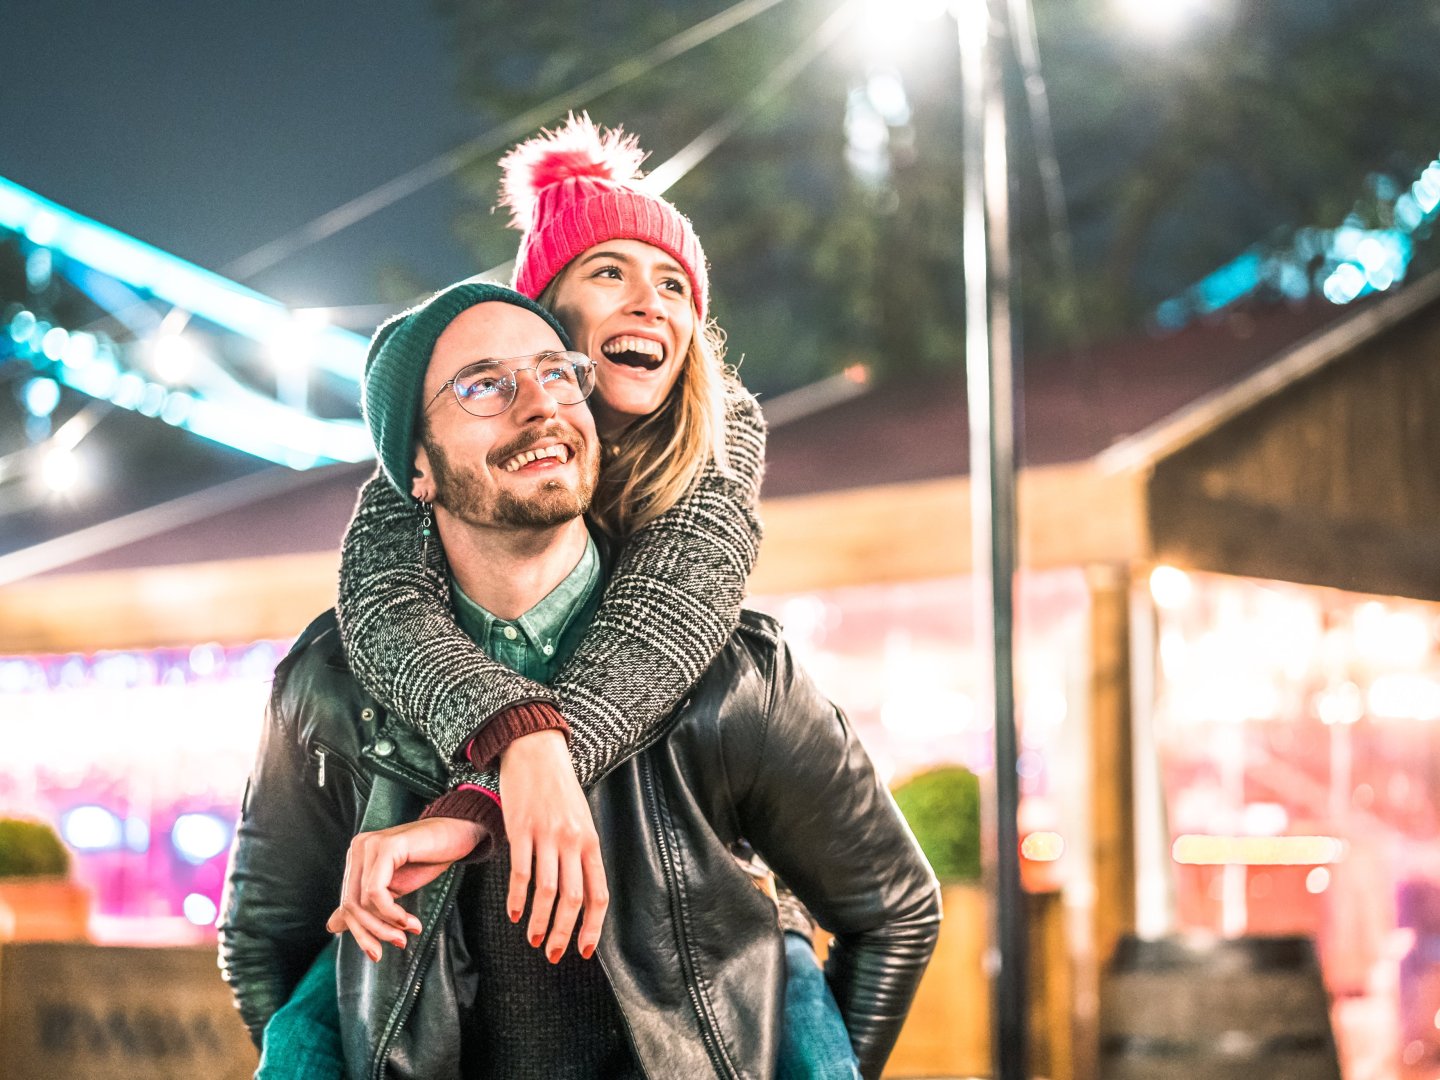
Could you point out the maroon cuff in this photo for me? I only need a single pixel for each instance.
(470, 803)
(509, 724)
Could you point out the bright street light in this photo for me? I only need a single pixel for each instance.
(889, 30)
(1161, 18)
(60, 469)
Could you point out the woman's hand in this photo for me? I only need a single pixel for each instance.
(552, 843)
(383, 865)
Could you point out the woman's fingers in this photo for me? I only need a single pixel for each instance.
(521, 848)
(570, 895)
(542, 902)
(597, 901)
(554, 847)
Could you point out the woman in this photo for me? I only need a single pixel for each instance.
(683, 446)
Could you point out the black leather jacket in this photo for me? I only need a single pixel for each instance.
(690, 946)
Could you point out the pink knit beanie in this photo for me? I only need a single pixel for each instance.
(578, 186)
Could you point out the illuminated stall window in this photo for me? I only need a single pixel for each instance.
(901, 661)
(140, 760)
(1300, 738)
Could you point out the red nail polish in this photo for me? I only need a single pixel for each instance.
(588, 951)
(535, 939)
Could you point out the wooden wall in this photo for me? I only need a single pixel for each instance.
(230, 602)
(1335, 481)
(1070, 515)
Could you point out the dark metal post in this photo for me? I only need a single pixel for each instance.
(989, 365)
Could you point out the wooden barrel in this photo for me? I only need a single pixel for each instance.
(1209, 1009)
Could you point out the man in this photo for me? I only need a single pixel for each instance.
(690, 974)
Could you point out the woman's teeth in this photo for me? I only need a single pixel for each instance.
(634, 351)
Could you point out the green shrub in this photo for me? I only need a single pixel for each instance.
(31, 849)
(943, 809)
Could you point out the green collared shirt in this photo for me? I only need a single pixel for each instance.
(541, 640)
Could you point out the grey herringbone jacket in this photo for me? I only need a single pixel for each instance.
(672, 602)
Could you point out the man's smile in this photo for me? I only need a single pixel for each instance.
(540, 456)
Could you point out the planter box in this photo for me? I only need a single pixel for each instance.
(43, 909)
(87, 1012)
(948, 1031)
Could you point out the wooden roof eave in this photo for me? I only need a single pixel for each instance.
(1204, 415)
(1070, 515)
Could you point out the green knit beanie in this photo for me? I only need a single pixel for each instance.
(395, 369)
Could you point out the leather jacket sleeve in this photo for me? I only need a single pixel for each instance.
(825, 822)
(287, 860)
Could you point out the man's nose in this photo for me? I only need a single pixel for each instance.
(532, 401)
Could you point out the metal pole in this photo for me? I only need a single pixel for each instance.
(989, 366)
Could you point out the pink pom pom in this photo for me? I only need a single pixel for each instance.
(579, 149)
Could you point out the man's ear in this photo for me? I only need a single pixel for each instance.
(422, 484)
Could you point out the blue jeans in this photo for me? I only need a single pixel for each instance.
(814, 1044)
(302, 1039)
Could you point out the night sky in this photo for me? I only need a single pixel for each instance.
(208, 129)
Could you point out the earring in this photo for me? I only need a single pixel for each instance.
(427, 526)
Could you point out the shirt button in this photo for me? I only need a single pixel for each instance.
(549, 649)
(511, 633)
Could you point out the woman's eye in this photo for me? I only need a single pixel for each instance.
(675, 285)
(607, 272)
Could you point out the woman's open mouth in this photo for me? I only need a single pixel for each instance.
(636, 352)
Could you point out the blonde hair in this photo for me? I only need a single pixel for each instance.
(657, 460)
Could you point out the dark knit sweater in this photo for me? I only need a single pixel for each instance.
(534, 1020)
(672, 601)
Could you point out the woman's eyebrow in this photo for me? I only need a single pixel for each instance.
(618, 256)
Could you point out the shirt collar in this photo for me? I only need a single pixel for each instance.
(545, 623)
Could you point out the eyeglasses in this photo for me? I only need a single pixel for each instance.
(488, 387)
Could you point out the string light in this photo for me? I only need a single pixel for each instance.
(1354, 260)
(222, 409)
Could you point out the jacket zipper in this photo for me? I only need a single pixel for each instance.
(411, 993)
(707, 1030)
(330, 764)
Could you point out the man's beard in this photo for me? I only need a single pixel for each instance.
(461, 491)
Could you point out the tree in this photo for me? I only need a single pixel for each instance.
(1266, 119)
(1269, 118)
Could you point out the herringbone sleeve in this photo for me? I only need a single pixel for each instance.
(671, 603)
